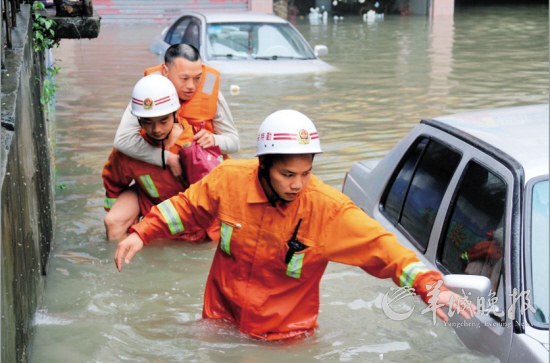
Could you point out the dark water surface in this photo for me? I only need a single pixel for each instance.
(390, 74)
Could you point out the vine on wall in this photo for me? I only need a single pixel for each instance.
(43, 39)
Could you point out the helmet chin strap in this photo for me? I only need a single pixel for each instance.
(163, 149)
(162, 141)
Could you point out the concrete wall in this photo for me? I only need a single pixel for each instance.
(280, 8)
(26, 199)
(442, 7)
(261, 6)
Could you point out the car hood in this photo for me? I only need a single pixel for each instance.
(270, 67)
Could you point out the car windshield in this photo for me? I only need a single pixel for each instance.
(539, 252)
(269, 41)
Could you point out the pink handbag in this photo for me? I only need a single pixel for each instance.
(197, 161)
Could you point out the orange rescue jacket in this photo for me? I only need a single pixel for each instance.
(201, 109)
(249, 282)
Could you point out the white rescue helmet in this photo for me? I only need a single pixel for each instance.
(154, 95)
(287, 132)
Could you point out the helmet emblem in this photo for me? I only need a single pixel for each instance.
(303, 136)
(148, 103)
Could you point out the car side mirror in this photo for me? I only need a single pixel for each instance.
(474, 287)
(320, 50)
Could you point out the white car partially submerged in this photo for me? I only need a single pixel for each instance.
(244, 43)
(470, 194)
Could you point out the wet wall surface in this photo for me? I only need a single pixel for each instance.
(26, 201)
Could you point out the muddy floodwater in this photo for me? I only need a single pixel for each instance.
(390, 74)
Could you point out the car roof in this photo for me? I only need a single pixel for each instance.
(521, 132)
(213, 16)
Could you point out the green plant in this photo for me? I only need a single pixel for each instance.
(43, 31)
(44, 38)
(48, 86)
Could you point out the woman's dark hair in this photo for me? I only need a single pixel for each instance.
(183, 50)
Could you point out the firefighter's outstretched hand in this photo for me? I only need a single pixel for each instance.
(458, 304)
(126, 250)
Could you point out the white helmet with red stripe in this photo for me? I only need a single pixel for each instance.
(287, 132)
(154, 96)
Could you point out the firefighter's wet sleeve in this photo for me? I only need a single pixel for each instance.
(369, 246)
(250, 281)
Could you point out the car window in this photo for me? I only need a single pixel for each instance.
(175, 34)
(271, 42)
(414, 195)
(255, 41)
(539, 252)
(474, 234)
(192, 35)
(393, 202)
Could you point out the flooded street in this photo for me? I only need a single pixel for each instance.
(390, 74)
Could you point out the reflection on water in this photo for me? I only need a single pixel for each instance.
(390, 75)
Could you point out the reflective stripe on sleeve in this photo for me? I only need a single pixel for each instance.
(225, 238)
(109, 202)
(171, 217)
(149, 185)
(294, 268)
(410, 272)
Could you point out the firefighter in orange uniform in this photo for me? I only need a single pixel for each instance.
(280, 226)
(202, 105)
(154, 103)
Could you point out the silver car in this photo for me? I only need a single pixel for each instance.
(469, 193)
(244, 43)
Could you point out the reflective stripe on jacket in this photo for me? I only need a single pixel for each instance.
(154, 184)
(249, 281)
